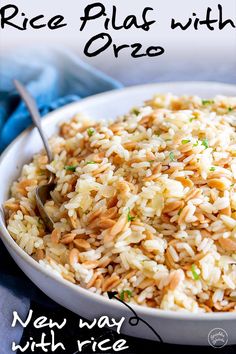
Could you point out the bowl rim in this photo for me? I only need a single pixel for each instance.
(139, 309)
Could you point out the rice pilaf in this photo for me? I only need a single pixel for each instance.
(144, 205)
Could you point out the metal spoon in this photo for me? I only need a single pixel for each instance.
(42, 193)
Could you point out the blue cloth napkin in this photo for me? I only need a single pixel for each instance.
(54, 78)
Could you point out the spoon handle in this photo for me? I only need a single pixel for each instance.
(35, 115)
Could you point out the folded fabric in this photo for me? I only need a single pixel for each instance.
(54, 79)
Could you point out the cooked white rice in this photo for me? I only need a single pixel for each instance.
(145, 205)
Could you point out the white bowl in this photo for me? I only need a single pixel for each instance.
(174, 327)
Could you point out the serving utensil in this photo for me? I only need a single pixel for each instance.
(42, 193)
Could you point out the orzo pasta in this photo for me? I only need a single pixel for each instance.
(144, 205)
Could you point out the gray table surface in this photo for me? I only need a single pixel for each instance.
(141, 71)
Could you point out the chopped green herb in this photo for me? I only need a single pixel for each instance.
(90, 131)
(90, 163)
(70, 168)
(207, 102)
(196, 144)
(172, 156)
(193, 118)
(180, 210)
(135, 111)
(168, 139)
(185, 141)
(212, 169)
(129, 217)
(195, 275)
(205, 143)
(230, 109)
(128, 293)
